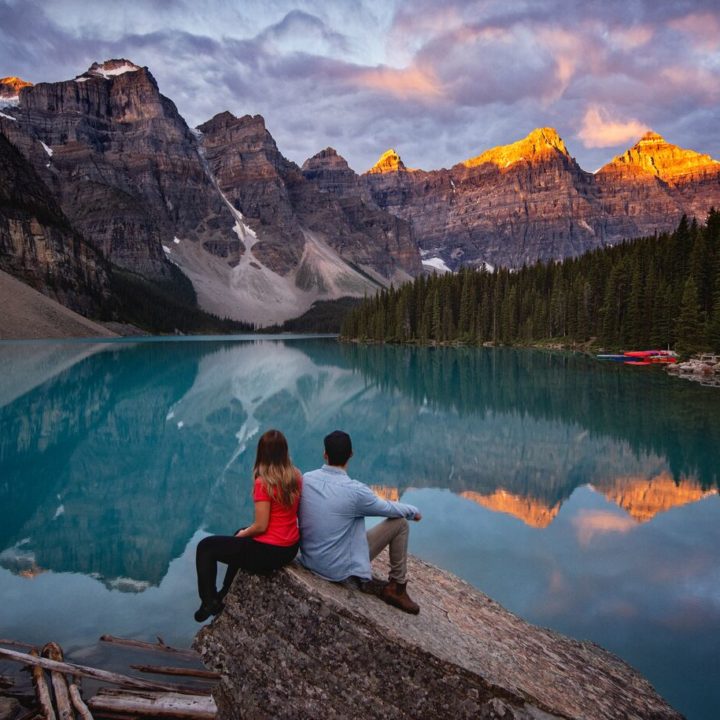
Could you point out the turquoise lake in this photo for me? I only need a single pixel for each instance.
(582, 496)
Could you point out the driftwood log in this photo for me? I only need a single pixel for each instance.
(191, 707)
(42, 692)
(60, 688)
(77, 700)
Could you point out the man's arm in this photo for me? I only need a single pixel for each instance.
(367, 503)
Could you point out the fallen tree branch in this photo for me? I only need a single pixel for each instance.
(143, 645)
(186, 672)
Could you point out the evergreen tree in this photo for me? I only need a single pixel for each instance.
(689, 321)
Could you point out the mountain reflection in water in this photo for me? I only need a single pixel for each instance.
(115, 458)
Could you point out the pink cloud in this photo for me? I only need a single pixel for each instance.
(403, 83)
(590, 523)
(599, 129)
(701, 82)
(704, 28)
(633, 37)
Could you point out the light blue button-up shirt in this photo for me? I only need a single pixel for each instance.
(332, 515)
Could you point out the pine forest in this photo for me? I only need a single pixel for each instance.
(661, 292)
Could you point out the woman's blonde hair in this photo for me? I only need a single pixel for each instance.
(275, 469)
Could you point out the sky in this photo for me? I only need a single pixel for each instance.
(437, 80)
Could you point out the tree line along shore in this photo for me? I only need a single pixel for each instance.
(659, 291)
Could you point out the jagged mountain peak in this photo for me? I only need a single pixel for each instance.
(539, 142)
(225, 120)
(11, 86)
(327, 159)
(652, 154)
(111, 68)
(651, 137)
(389, 162)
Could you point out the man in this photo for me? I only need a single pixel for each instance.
(333, 542)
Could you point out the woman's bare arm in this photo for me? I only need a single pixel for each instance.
(260, 524)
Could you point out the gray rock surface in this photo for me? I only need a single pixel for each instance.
(291, 645)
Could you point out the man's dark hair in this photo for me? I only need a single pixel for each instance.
(338, 447)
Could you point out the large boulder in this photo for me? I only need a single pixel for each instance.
(291, 645)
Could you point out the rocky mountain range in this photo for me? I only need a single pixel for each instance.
(530, 200)
(261, 238)
(259, 241)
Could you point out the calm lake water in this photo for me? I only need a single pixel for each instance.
(580, 495)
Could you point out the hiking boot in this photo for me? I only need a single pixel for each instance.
(395, 593)
(208, 608)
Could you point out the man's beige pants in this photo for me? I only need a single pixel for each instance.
(393, 532)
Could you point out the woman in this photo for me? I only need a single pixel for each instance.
(270, 542)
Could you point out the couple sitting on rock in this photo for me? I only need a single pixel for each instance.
(323, 515)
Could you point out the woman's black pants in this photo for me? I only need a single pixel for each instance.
(239, 554)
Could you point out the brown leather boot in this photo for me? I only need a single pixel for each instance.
(395, 594)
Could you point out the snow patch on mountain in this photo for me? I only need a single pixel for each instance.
(11, 101)
(112, 68)
(47, 148)
(8, 117)
(435, 264)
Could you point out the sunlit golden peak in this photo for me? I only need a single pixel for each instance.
(389, 162)
(538, 143)
(12, 85)
(653, 155)
(531, 511)
(651, 137)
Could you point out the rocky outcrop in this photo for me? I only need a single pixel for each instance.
(704, 369)
(530, 200)
(291, 645)
(38, 244)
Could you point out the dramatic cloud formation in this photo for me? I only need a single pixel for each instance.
(439, 80)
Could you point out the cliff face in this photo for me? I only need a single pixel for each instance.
(259, 240)
(291, 645)
(652, 184)
(531, 201)
(281, 202)
(122, 163)
(374, 238)
(38, 244)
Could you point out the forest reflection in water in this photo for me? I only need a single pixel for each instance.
(578, 494)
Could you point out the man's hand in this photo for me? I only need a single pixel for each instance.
(417, 517)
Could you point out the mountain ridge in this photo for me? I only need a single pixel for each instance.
(148, 191)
